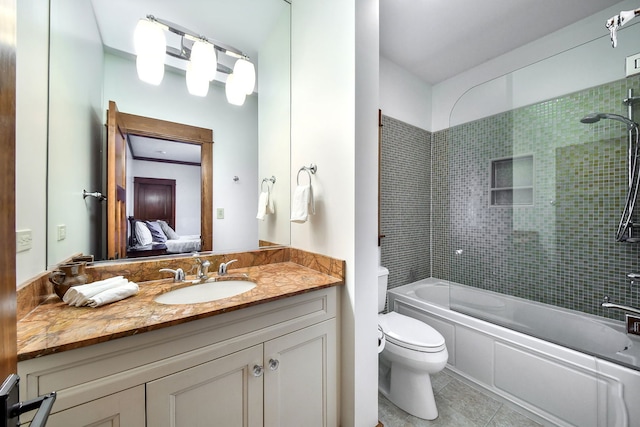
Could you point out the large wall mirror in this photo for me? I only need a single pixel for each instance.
(92, 62)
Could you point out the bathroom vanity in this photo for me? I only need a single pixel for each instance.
(255, 360)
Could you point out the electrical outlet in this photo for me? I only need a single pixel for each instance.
(23, 240)
(62, 232)
(633, 325)
(220, 213)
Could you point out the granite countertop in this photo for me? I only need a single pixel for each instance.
(54, 326)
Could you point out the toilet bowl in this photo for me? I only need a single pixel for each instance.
(413, 350)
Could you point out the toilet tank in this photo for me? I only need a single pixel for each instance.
(383, 280)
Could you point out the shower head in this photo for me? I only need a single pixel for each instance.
(596, 117)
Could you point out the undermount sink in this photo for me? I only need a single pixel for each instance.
(206, 292)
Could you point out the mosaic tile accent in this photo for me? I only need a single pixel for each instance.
(561, 250)
(405, 203)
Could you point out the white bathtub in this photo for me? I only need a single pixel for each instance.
(566, 367)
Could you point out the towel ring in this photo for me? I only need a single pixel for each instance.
(310, 170)
(272, 180)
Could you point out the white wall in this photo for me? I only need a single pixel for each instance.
(32, 71)
(235, 135)
(75, 127)
(404, 96)
(581, 69)
(274, 124)
(334, 125)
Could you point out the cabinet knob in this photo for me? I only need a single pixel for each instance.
(273, 364)
(257, 370)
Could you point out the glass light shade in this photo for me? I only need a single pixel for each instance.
(245, 73)
(235, 93)
(150, 70)
(197, 80)
(203, 57)
(149, 39)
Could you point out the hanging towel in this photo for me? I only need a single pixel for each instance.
(79, 295)
(114, 294)
(302, 204)
(271, 209)
(263, 202)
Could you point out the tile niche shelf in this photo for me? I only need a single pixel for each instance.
(512, 181)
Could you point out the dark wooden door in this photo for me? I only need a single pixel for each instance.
(154, 198)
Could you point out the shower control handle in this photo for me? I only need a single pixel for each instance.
(635, 277)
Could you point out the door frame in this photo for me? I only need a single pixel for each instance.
(162, 129)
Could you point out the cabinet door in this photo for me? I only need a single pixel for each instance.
(125, 408)
(224, 392)
(300, 378)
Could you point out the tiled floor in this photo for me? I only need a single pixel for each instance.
(459, 405)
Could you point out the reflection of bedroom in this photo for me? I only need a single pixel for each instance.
(178, 164)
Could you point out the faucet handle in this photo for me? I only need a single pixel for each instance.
(635, 277)
(178, 274)
(222, 269)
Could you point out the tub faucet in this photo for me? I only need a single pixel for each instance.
(222, 270)
(607, 304)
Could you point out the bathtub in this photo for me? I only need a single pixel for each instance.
(563, 367)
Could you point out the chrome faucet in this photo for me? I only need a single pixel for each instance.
(178, 274)
(607, 304)
(203, 269)
(222, 269)
(634, 279)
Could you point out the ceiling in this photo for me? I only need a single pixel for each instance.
(433, 39)
(144, 148)
(438, 39)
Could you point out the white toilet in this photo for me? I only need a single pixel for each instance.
(413, 350)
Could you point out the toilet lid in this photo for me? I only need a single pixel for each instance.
(411, 333)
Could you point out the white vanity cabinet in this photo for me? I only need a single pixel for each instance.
(283, 382)
(274, 364)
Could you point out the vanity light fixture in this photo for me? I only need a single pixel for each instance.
(201, 54)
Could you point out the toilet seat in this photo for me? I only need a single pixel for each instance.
(410, 333)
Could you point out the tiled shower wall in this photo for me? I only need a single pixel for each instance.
(560, 250)
(405, 201)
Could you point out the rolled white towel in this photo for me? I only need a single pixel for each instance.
(79, 295)
(113, 294)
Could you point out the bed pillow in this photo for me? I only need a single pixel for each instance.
(156, 231)
(143, 235)
(168, 231)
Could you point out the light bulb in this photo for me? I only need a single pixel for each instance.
(235, 93)
(150, 44)
(197, 80)
(149, 39)
(203, 56)
(150, 70)
(245, 73)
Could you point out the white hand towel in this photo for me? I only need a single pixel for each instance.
(263, 201)
(271, 209)
(302, 204)
(79, 295)
(113, 294)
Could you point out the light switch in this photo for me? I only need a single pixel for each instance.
(220, 213)
(62, 232)
(23, 240)
(633, 64)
